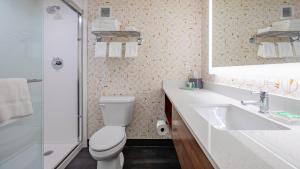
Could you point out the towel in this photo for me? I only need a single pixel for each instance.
(267, 50)
(293, 24)
(106, 25)
(260, 50)
(15, 101)
(296, 45)
(100, 49)
(285, 49)
(115, 49)
(131, 49)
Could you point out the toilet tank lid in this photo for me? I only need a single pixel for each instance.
(117, 99)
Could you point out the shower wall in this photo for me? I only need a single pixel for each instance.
(60, 86)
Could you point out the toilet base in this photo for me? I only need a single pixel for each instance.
(115, 163)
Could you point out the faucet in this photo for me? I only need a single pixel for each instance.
(263, 102)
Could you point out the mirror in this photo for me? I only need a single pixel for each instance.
(255, 32)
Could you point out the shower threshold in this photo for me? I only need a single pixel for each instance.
(55, 153)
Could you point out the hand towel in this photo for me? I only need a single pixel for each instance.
(296, 45)
(131, 49)
(268, 50)
(285, 49)
(115, 49)
(100, 49)
(15, 101)
(260, 52)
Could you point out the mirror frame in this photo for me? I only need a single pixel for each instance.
(286, 70)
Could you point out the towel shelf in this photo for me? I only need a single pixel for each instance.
(34, 80)
(289, 36)
(118, 34)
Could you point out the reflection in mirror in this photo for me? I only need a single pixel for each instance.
(254, 32)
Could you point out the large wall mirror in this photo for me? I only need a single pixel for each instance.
(255, 32)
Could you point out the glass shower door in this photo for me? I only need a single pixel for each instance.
(21, 57)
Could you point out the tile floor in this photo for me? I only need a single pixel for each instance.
(138, 155)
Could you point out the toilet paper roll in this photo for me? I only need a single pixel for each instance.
(162, 128)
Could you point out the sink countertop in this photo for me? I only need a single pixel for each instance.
(235, 149)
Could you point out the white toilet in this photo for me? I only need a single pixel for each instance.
(106, 144)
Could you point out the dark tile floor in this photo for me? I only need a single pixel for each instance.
(136, 157)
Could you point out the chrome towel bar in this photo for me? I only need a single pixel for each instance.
(34, 80)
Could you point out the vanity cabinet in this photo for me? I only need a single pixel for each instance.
(188, 151)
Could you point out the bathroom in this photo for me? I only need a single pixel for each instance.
(112, 84)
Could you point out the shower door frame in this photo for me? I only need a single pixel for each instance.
(76, 150)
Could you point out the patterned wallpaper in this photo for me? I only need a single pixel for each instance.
(235, 21)
(286, 86)
(171, 49)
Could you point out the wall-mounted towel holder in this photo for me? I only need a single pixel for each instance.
(34, 80)
(275, 36)
(100, 35)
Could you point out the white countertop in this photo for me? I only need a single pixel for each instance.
(234, 149)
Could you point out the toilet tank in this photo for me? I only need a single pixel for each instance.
(117, 110)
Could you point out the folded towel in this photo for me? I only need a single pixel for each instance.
(296, 45)
(131, 49)
(285, 49)
(106, 25)
(100, 49)
(15, 101)
(260, 50)
(115, 49)
(267, 50)
(287, 24)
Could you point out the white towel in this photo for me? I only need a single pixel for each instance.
(15, 101)
(260, 52)
(115, 49)
(267, 50)
(131, 49)
(285, 49)
(296, 45)
(100, 49)
(105, 25)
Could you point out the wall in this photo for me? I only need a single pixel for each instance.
(273, 84)
(231, 41)
(60, 86)
(171, 49)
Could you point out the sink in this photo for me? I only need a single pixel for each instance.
(230, 117)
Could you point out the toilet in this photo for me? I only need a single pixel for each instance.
(106, 144)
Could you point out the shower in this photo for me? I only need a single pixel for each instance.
(41, 42)
(62, 70)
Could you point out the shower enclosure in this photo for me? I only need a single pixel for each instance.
(41, 40)
(21, 57)
(62, 81)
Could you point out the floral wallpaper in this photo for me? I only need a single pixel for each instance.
(171, 49)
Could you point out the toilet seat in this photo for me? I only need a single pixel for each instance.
(107, 138)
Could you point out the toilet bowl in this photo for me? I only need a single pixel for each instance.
(106, 144)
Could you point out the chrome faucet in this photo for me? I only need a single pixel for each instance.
(263, 101)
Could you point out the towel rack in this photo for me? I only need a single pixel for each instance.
(289, 36)
(34, 80)
(118, 34)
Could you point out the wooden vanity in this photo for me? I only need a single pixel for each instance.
(189, 153)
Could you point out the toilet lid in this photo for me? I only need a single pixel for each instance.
(107, 138)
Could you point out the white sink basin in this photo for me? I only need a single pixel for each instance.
(229, 117)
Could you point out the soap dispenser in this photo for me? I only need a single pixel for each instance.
(196, 80)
